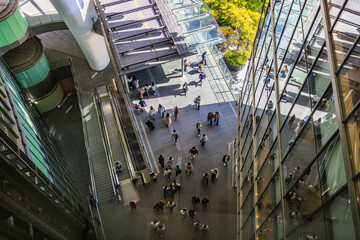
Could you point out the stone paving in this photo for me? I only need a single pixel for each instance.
(221, 212)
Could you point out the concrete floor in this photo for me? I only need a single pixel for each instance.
(220, 215)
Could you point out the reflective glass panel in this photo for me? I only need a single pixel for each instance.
(312, 228)
(346, 29)
(192, 11)
(353, 133)
(303, 198)
(331, 169)
(295, 122)
(339, 215)
(324, 119)
(350, 80)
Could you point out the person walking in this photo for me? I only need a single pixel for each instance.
(185, 88)
(161, 205)
(214, 174)
(203, 139)
(169, 161)
(205, 202)
(150, 125)
(186, 65)
(152, 113)
(210, 118)
(167, 173)
(153, 88)
(203, 56)
(292, 120)
(177, 170)
(198, 128)
(141, 92)
(205, 178)
(299, 127)
(226, 159)
(171, 205)
(205, 228)
(161, 230)
(161, 110)
(167, 119)
(197, 225)
(195, 200)
(132, 204)
(201, 66)
(175, 136)
(183, 212)
(165, 191)
(193, 152)
(217, 117)
(197, 102)
(202, 77)
(161, 160)
(176, 112)
(188, 168)
(155, 224)
(192, 213)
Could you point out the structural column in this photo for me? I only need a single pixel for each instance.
(79, 18)
(13, 25)
(31, 70)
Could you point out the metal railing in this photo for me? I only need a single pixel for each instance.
(233, 85)
(126, 147)
(107, 147)
(116, 63)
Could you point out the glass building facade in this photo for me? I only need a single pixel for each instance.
(298, 158)
(24, 127)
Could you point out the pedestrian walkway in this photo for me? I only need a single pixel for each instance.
(220, 214)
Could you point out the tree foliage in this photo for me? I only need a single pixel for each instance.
(238, 20)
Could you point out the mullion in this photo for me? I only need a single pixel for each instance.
(348, 54)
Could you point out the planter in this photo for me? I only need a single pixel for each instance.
(234, 68)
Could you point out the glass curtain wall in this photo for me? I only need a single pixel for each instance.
(36, 142)
(295, 160)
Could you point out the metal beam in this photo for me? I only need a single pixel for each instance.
(340, 113)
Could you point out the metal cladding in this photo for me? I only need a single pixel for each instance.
(32, 72)
(13, 25)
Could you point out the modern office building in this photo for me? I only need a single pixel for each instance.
(299, 117)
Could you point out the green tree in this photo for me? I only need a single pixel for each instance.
(242, 27)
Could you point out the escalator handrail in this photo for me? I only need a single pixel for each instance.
(127, 149)
(105, 140)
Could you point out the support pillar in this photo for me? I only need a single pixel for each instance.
(78, 17)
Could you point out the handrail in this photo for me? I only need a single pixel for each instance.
(105, 141)
(116, 64)
(129, 156)
(87, 144)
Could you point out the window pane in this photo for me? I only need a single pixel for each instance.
(331, 169)
(319, 78)
(295, 122)
(339, 215)
(350, 80)
(312, 228)
(353, 132)
(304, 197)
(346, 30)
(324, 119)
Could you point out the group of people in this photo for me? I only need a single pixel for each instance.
(213, 117)
(168, 164)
